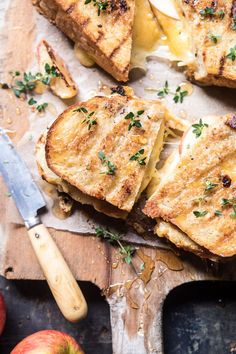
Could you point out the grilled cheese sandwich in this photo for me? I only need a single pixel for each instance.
(109, 163)
(198, 194)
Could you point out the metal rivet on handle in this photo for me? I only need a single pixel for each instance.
(37, 235)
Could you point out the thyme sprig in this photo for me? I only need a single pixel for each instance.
(230, 202)
(126, 251)
(200, 214)
(232, 53)
(134, 119)
(209, 186)
(111, 168)
(198, 128)
(101, 5)
(137, 157)
(89, 119)
(29, 80)
(40, 107)
(210, 12)
(178, 94)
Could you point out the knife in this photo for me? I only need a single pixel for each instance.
(29, 200)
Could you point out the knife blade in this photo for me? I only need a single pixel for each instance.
(18, 179)
(29, 200)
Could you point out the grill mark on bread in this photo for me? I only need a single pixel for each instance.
(118, 47)
(100, 36)
(85, 22)
(222, 65)
(70, 8)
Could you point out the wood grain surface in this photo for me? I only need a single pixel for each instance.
(135, 296)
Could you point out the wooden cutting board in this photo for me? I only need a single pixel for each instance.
(135, 295)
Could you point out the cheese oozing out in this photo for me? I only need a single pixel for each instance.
(146, 33)
(157, 32)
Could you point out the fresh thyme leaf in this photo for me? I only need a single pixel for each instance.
(87, 117)
(225, 201)
(51, 70)
(102, 156)
(210, 185)
(233, 215)
(214, 38)
(218, 213)
(221, 14)
(164, 91)
(32, 101)
(198, 128)
(101, 5)
(81, 109)
(127, 251)
(42, 107)
(179, 95)
(139, 113)
(133, 121)
(130, 115)
(232, 53)
(137, 157)
(111, 168)
(200, 214)
(14, 73)
(207, 12)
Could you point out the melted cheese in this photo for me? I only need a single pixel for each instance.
(146, 33)
(177, 38)
(154, 159)
(83, 57)
(153, 29)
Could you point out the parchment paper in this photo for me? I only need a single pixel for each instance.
(203, 101)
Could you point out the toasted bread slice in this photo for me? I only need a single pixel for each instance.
(106, 37)
(198, 195)
(107, 147)
(181, 240)
(166, 229)
(212, 29)
(62, 186)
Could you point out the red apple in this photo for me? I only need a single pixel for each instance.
(2, 313)
(48, 342)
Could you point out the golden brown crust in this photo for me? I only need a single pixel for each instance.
(72, 149)
(106, 38)
(62, 186)
(213, 66)
(181, 240)
(210, 158)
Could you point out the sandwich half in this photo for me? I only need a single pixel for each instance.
(104, 151)
(198, 194)
(211, 26)
(103, 29)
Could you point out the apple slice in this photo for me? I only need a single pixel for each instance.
(61, 85)
(166, 7)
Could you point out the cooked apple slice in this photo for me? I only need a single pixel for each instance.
(166, 7)
(61, 82)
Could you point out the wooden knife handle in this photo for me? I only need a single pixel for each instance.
(62, 283)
